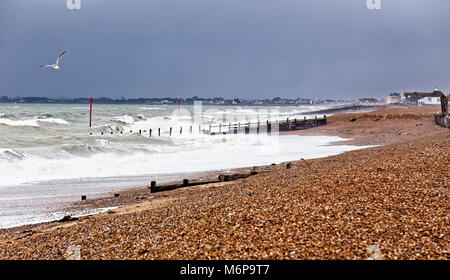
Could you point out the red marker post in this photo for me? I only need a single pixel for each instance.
(90, 112)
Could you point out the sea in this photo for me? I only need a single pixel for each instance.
(49, 156)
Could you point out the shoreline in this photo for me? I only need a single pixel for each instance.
(362, 130)
(102, 202)
(142, 192)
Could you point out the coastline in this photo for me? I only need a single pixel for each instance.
(394, 129)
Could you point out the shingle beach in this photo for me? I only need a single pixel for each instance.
(389, 202)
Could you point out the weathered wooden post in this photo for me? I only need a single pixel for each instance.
(153, 186)
(257, 128)
(170, 132)
(159, 131)
(150, 132)
(181, 129)
(269, 127)
(444, 104)
(140, 131)
(190, 129)
(222, 178)
(254, 170)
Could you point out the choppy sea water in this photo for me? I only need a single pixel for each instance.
(48, 157)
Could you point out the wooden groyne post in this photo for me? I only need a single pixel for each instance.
(443, 118)
(444, 104)
(153, 186)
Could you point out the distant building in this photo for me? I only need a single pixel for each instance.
(368, 100)
(414, 97)
(394, 98)
(429, 101)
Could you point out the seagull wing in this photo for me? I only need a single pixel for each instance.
(45, 66)
(59, 57)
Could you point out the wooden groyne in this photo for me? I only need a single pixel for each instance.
(228, 177)
(267, 126)
(258, 127)
(442, 120)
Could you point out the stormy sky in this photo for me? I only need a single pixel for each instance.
(231, 48)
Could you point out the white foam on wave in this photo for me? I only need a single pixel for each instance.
(102, 142)
(30, 219)
(163, 122)
(200, 154)
(153, 108)
(4, 115)
(126, 119)
(32, 122)
(54, 121)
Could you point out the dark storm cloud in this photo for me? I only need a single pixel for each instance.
(231, 48)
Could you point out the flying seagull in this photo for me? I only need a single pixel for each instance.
(56, 65)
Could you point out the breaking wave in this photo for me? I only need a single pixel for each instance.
(125, 119)
(32, 122)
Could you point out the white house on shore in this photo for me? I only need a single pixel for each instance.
(429, 101)
(394, 98)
